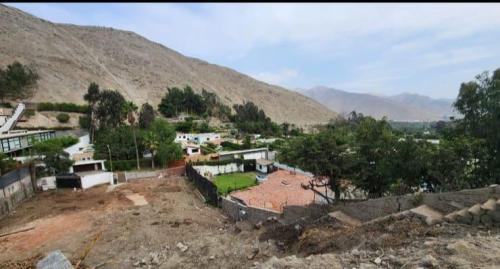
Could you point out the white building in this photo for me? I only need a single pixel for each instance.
(200, 138)
(86, 171)
(246, 154)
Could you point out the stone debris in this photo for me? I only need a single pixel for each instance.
(182, 247)
(54, 260)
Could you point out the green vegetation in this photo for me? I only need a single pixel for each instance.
(191, 126)
(381, 160)
(146, 116)
(235, 181)
(62, 117)
(62, 107)
(17, 81)
(177, 101)
(55, 158)
(250, 119)
(6, 164)
(29, 112)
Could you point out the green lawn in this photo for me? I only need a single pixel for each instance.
(234, 181)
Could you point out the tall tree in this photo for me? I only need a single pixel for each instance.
(109, 112)
(129, 109)
(146, 116)
(17, 81)
(159, 135)
(92, 96)
(324, 154)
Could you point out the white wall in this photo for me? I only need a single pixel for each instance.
(96, 179)
(218, 169)
(139, 175)
(254, 155)
(47, 183)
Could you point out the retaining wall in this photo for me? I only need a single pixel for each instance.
(445, 202)
(16, 187)
(251, 214)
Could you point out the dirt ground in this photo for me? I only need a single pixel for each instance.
(175, 229)
(162, 223)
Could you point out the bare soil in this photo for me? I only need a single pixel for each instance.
(128, 236)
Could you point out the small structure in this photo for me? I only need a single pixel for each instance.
(246, 154)
(15, 187)
(190, 149)
(263, 168)
(85, 171)
(200, 138)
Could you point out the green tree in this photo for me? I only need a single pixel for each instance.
(109, 111)
(129, 109)
(324, 154)
(63, 117)
(375, 146)
(146, 116)
(92, 97)
(160, 135)
(479, 103)
(55, 158)
(17, 81)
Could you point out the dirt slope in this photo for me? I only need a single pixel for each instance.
(69, 57)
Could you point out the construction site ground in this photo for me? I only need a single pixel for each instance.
(163, 223)
(175, 229)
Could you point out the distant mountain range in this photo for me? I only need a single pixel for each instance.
(402, 107)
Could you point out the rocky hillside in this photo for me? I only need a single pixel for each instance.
(403, 107)
(69, 57)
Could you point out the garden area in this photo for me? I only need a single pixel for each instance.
(236, 181)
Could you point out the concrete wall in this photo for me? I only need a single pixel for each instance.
(254, 155)
(445, 202)
(253, 215)
(96, 179)
(16, 192)
(207, 170)
(139, 175)
(46, 183)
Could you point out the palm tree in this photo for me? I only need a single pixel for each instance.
(129, 109)
(152, 142)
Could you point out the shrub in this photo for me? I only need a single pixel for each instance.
(84, 122)
(63, 107)
(63, 117)
(6, 105)
(29, 112)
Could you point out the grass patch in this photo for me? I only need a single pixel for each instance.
(235, 181)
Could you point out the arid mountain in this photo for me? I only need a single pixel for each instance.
(69, 57)
(403, 107)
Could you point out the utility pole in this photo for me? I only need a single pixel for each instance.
(110, 161)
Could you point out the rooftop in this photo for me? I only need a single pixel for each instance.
(17, 133)
(264, 162)
(241, 151)
(280, 189)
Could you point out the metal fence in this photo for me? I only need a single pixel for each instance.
(204, 186)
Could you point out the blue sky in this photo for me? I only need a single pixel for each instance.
(384, 49)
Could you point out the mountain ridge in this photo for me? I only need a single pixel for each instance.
(400, 107)
(68, 57)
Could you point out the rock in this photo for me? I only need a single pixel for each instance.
(429, 261)
(367, 266)
(54, 260)
(253, 254)
(188, 221)
(154, 258)
(258, 225)
(211, 257)
(378, 261)
(182, 247)
(298, 227)
(137, 263)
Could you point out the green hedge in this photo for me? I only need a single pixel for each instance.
(128, 165)
(63, 107)
(63, 117)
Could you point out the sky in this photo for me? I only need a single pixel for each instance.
(383, 49)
